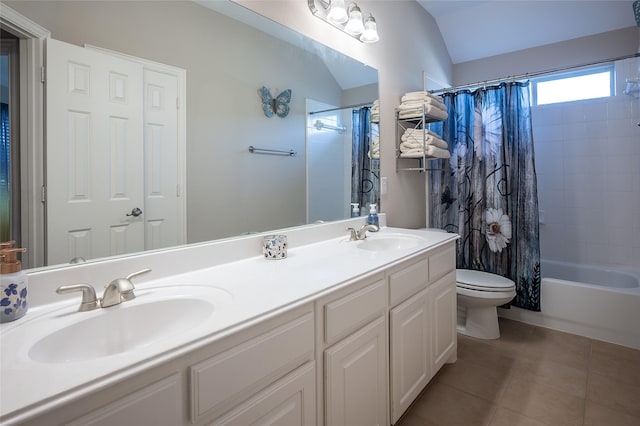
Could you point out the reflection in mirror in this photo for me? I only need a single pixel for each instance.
(227, 54)
(342, 165)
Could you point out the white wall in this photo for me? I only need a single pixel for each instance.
(569, 53)
(587, 157)
(356, 95)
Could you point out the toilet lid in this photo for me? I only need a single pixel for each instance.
(484, 281)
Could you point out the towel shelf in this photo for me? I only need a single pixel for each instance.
(289, 153)
(409, 163)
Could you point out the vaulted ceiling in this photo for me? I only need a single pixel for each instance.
(482, 28)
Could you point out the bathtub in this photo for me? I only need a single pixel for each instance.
(597, 302)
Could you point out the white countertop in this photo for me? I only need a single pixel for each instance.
(257, 289)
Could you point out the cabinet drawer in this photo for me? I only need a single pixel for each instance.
(351, 312)
(291, 401)
(240, 371)
(441, 263)
(408, 281)
(157, 404)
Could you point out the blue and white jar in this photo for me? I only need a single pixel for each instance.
(13, 296)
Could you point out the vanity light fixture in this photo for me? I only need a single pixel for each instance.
(347, 19)
(370, 33)
(354, 26)
(337, 12)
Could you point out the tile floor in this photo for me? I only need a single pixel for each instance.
(532, 376)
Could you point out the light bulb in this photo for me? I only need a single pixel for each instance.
(370, 33)
(355, 25)
(338, 12)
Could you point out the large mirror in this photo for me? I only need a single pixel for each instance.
(229, 53)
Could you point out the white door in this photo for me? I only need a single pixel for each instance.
(410, 343)
(94, 154)
(162, 192)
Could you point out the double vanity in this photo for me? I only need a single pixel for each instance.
(339, 333)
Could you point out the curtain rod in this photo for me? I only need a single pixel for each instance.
(344, 107)
(533, 74)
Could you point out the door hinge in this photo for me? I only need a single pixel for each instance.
(177, 103)
(177, 190)
(42, 75)
(43, 194)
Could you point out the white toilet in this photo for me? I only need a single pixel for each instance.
(479, 294)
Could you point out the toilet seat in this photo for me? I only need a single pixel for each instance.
(482, 281)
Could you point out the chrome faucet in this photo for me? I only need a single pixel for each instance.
(120, 290)
(117, 291)
(361, 233)
(89, 300)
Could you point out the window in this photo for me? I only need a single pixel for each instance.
(325, 123)
(573, 86)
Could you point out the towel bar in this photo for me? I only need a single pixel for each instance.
(254, 150)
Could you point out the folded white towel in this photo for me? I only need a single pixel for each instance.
(411, 142)
(420, 95)
(430, 151)
(419, 104)
(419, 132)
(408, 146)
(374, 149)
(417, 113)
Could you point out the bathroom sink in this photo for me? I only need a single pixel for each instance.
(155, 315)
(387, 242)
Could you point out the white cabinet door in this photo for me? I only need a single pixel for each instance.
(442, 295)
(94, 173)
(355, 378)
(410, 351)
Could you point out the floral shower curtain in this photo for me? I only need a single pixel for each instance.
(364, 170)
(487, 190)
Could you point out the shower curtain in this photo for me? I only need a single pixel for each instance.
(364, 170)
(5, 170)
(487, 190)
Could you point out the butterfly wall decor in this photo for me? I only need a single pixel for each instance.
(278, 105)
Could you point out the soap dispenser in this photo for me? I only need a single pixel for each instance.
(13, 284)
(355, 210)
(372, 219)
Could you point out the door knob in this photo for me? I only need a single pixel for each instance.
(135, 212)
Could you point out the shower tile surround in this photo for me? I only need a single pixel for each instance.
(533, 376)
(587, 163)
